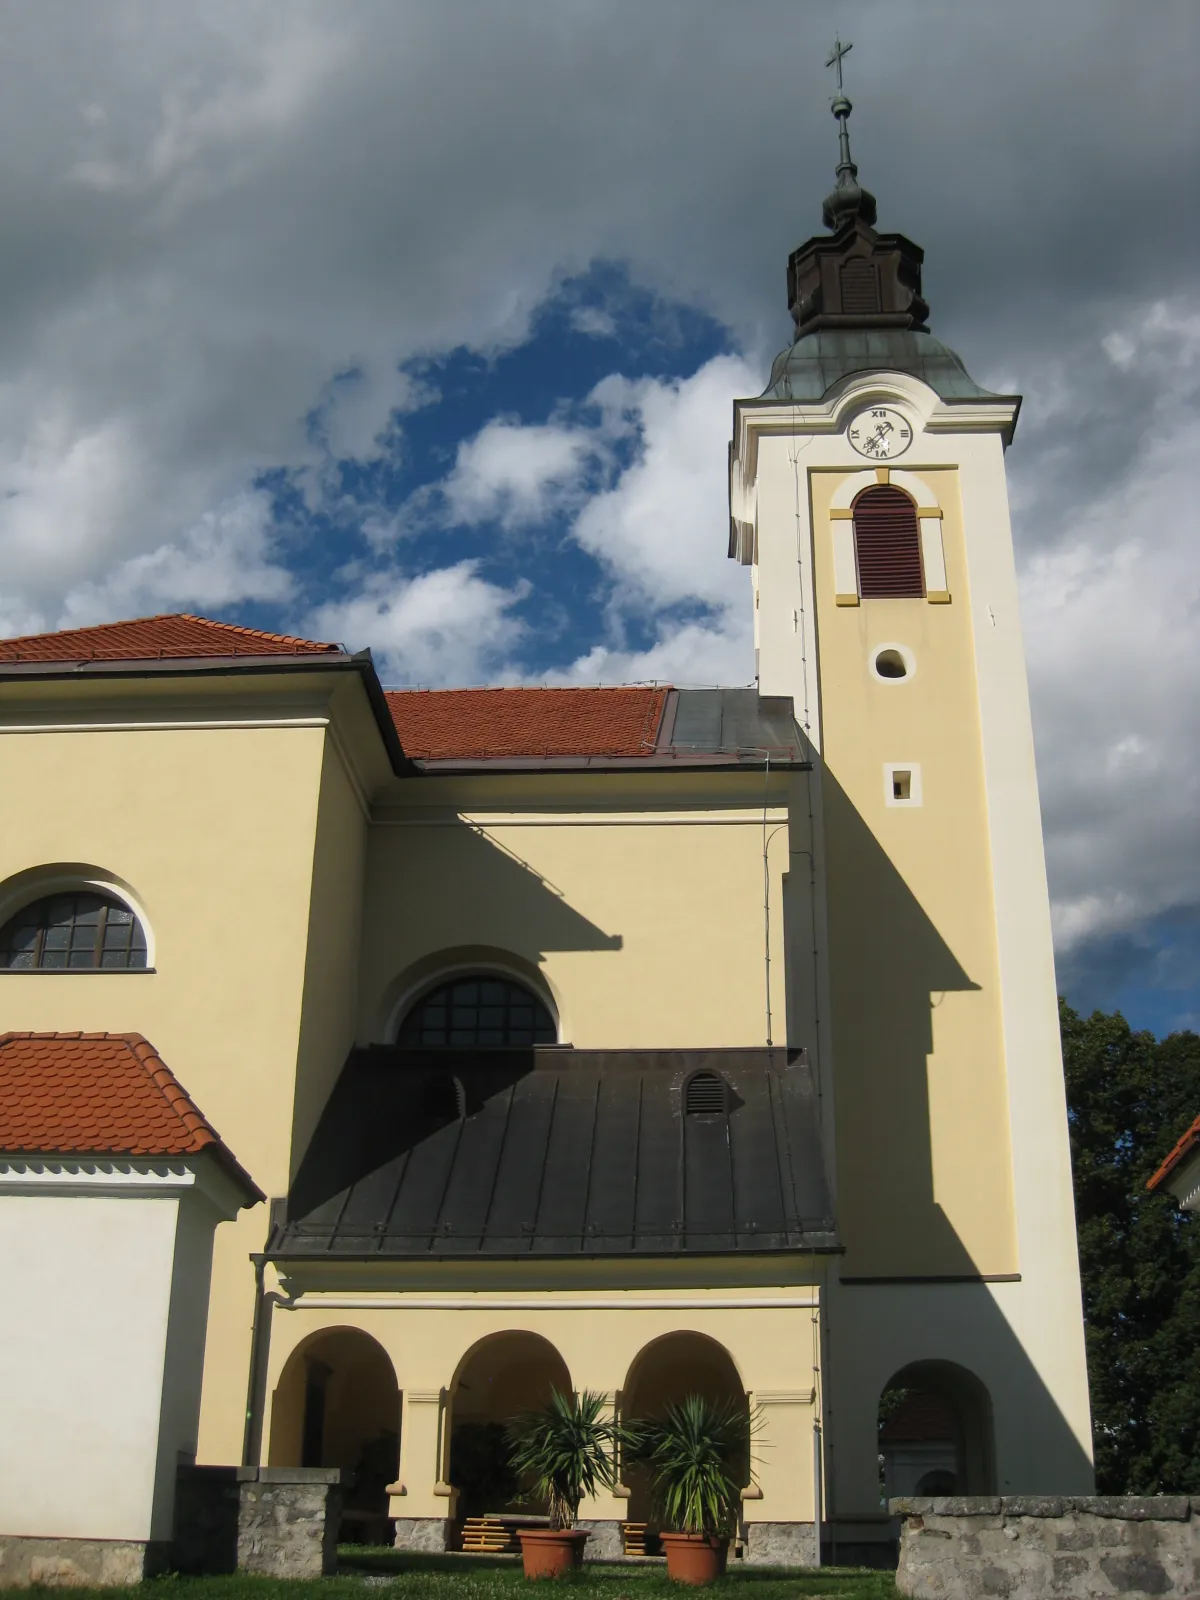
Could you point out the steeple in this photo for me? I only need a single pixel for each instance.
(847, 199)
(855, 295)
(854, 277)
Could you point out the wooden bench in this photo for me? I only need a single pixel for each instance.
(487, 1536)
(633, 1538)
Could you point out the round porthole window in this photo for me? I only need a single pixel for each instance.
(892, 662)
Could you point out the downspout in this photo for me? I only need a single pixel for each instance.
(250, 1434)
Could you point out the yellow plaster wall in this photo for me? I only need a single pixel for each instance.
(924, 1159)
(213, 829)
(334, 947)
(644, 920)
(774, 1350)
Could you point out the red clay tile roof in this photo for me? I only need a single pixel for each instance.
(179, 637)
(474, 724)
(98, 1093)
(1183, 1147)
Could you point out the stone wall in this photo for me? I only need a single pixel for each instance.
(281, 1522)
(1026, 1548)
(77, 1563)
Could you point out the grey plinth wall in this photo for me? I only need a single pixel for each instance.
(72, 1563)
(281, 1522)
(1027, 1548)
(780, 1544)
(605, 1542)
(426, 1535)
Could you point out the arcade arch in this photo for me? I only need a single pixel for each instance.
(337, 1404)
(935, 1432)
(498, 1378)
(662, 1374)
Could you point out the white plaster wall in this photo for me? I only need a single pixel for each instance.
(83, 1329)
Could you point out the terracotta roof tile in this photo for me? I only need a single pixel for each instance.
(98, 1093)
(1182, 1148)
(178, 637)
(474, 724)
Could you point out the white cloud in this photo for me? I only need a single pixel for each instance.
(517, 475)
(661, 529)
(223, 560)
(446, 627)
(1110, 615)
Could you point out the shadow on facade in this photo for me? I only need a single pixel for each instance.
(914, 1308)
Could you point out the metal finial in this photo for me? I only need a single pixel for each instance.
(848, 199)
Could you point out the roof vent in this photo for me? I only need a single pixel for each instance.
(705, 1095)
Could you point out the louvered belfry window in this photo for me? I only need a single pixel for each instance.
(860, 287)
(887, 545)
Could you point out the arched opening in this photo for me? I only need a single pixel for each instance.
(497, 1379)
(662, 1374)
(935, 1432)
(337, 1404)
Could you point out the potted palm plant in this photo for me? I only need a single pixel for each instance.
(562, 1453)
(697, 1455)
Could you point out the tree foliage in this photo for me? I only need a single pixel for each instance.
(1130, 1096)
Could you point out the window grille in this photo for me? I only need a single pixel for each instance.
(72, 932)
(887, 545)
(477, 1011)
(704, 1095)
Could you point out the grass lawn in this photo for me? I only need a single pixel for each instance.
(399, 1576)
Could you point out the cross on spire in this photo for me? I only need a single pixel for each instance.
(848, 199)
(835, 59)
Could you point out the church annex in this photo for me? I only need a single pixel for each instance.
(643, 1040)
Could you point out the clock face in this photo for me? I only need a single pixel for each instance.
(880, 433)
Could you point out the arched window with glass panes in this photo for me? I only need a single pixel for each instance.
(887, 545)
(478, 1010)
(79, 930)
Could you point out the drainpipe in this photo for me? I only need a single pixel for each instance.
(250, 1439)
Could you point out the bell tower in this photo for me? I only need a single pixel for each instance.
(868, 497)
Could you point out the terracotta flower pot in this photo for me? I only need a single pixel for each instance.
(550, 1552)
(694, 1557)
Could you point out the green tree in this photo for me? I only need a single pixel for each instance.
(1129, 1098)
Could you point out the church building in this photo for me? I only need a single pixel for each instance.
(642, 1040)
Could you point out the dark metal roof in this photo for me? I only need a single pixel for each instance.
(807, 370)
(700, 728)
(559, 1152)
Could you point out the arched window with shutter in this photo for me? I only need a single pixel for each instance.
(887, 545)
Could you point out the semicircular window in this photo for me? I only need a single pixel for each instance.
(73, 932)
(477, 1011)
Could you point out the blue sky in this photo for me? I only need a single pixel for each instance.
(358, 322)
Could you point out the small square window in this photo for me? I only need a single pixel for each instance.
(902, 783)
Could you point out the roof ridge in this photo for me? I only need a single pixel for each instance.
(200, 1130)
(234, 627)
(542, 688)
(316, 645)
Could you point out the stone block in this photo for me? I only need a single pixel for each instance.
(780, 1544)
(954, 1505)
(78, 1563)
(605, 1543)
(425, 1535)
(1031, 1505)
(1133, 1508)
(280, 1522)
